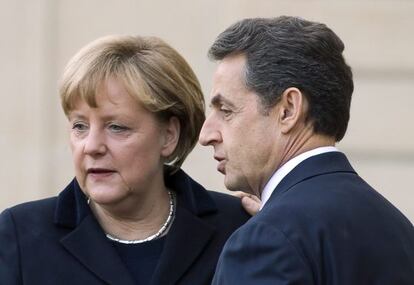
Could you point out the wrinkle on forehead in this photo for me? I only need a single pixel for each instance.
(229, 86)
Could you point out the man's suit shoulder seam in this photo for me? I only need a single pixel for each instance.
(286, 237)
(324, 173)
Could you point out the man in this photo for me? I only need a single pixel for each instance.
(280, 101)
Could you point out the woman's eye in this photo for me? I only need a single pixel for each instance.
(117, 128)
(79, 127)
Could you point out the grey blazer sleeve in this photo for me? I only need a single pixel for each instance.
(9, 251)
(262, 255)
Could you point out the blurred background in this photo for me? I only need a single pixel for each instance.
(39, 36)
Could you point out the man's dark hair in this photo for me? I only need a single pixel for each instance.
(288, 52)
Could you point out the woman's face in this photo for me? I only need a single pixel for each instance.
(118, 147)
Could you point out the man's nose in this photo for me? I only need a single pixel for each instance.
(209, 134)
(95, 143)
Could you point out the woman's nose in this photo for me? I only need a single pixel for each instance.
(95, 143)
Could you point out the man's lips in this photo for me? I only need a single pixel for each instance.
(221, 166)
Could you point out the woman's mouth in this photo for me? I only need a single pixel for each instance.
(99, 172)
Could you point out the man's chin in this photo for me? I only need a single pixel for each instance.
(228, 185)
(231, 184)
(234, 185)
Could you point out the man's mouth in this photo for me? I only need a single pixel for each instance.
(221, 166)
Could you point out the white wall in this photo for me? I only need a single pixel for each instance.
(39, 36)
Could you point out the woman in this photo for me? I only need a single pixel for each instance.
(131, 215)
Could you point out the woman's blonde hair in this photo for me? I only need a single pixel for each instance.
(155, 74)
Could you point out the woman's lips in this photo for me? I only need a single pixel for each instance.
(99, 172)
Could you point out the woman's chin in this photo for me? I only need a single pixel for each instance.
(106, 196)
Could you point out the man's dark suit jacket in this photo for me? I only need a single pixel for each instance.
(322, 225)
(58, 240)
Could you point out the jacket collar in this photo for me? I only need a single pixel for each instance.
(190, 195)
(324, 163)
(72, 205)
(189, 234)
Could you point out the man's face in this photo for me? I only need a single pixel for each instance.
(244, 137)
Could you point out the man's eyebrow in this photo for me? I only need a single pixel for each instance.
(218, 100)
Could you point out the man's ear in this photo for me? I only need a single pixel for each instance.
(171, 135)
(291, 109)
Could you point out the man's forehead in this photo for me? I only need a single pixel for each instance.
(230, 66)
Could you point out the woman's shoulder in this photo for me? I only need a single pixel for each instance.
(224, 199)
(33, 211)
(229, 206)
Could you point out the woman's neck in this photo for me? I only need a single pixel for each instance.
(142, 215)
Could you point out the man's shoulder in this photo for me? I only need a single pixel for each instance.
(318, 195)
(327, 203)
(329, 198)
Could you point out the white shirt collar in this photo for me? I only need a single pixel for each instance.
(288, 167)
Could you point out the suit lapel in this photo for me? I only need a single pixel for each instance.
(185, 241)
(88, 244)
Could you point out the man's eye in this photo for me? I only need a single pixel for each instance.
(225, 111)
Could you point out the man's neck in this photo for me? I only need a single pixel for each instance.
(285, 169)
